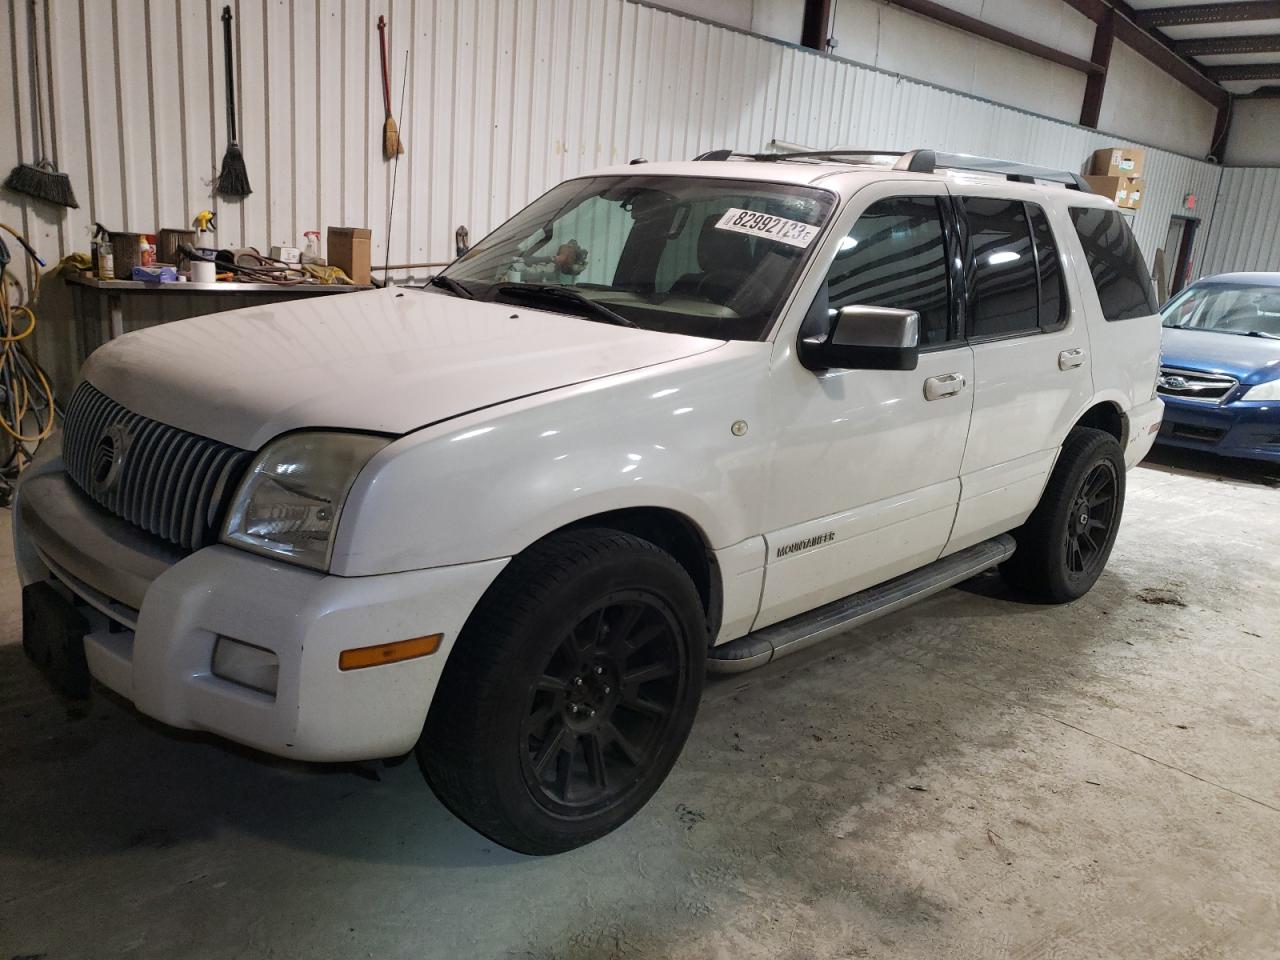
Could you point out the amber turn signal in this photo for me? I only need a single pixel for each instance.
(359, 657)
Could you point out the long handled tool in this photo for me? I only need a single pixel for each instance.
(391, 143)
(233, 180)
(40, 179)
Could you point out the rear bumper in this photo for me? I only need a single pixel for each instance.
(1144, 422)
(156, 614)
(1246, 429)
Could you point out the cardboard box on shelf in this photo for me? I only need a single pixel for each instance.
(1118, 162)
(1125, 191)
(349, 248)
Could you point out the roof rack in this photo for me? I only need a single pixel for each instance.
(923, 161)
(928, 161)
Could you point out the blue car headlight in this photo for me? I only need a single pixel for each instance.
(1264, 391)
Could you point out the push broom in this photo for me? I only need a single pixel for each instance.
(233, 179)
(391, 143)
(41, 179)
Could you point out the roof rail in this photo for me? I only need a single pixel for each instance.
(929, 161)
(796, 155)
(724, 155)
(922, 161)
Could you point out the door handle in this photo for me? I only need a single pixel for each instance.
(1069, 359)
(946, 385)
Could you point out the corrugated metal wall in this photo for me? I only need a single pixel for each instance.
(1245, 232)
(503, 99)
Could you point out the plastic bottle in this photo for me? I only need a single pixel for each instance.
(106, 260)
(312, 252)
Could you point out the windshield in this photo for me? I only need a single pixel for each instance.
(1244, 309)
(699, 256)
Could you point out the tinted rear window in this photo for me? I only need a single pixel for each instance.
(1124, 285)
(1053, 300)
(1003, 291)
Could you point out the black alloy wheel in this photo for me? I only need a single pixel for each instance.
(1066, 542)
(603, 704)
(570, 692)
(1092, 516)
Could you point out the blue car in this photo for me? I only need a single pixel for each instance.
(1220, 366)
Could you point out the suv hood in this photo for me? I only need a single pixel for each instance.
(1250, 360)
(386, 361)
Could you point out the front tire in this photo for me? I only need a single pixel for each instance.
(570, 692)
(1065, 543)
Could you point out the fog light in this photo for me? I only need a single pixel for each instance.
(245, 664)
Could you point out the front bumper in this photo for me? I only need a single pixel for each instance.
(155, 615)
(1248, 429)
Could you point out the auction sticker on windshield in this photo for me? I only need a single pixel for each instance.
(791, 232)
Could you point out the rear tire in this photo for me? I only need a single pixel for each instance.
(1065, 543)
(570, 692)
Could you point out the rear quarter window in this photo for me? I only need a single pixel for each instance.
(1119, 273)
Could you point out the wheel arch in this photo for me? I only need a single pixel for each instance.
(1109, 417)
(679, 536)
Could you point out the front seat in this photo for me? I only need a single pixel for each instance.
(724, 259)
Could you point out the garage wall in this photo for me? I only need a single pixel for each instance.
(1245, 231)
(1151, 106)
(892, 39)
(1255, 133)
(871, 32)
(776, 19)
(504, 98)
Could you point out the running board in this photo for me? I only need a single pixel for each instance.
(769, 643)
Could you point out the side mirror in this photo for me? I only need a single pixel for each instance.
(865, 338)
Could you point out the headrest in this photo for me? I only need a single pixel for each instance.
(722, 249)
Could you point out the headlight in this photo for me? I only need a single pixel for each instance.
(1264, 391)
(289, 502)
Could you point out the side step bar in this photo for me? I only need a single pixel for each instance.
(758, 648)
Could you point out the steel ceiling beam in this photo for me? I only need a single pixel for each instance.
(1181, 70)
(1245, 71)
(1226, 46)
(1209, 13)
(1152, 45)
(988, 31)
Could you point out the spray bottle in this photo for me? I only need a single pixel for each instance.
(312, 252)
(203, 223)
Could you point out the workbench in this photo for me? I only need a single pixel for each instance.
(100, 312)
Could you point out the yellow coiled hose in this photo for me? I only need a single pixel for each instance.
(26, 388)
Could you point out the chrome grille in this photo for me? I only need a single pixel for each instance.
(166, 481)
(1192, 385)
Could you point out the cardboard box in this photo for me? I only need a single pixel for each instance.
(350, 249)
(1125, 191)
(1118, 162)
(1136, 187)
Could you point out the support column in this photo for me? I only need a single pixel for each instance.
(817, 18)
(1095, 85)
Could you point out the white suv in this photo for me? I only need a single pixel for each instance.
(670, 418)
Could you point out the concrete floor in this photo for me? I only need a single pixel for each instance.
(973, 778)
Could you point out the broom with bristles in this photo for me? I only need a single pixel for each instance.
(233, 179)
(391, 143)
(41, 179)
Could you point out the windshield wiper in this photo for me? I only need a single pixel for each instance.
(452, 285)
(536, 291)
(1259, 333)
